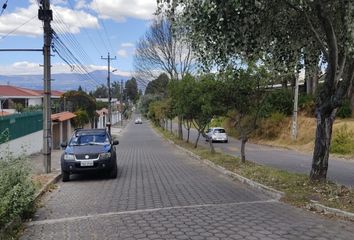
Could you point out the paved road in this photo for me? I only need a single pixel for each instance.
(339, 170)
(161, 193)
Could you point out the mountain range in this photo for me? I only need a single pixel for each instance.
(62, 81)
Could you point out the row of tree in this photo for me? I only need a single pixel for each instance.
(286, 36)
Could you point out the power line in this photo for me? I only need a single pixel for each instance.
(14, 30)
(3, 8)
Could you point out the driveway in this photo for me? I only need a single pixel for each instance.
(162, 193)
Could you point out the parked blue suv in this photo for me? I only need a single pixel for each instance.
(89, 150)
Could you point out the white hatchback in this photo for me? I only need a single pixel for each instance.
(217, 134)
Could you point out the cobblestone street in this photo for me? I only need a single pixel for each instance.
(162, 193)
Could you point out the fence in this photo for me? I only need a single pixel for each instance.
(19, 125)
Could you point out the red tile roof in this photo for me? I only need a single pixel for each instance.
(103, 111)
(12, 91)
(3, 113)
(62, 116)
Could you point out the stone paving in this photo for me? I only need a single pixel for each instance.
(161, 193)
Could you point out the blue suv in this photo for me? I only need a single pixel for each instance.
(89, 150)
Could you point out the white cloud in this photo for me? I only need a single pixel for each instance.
(127, 45)
(122, 53)
(31, 68)
(119, 10)
(76, 20)
(81, 4)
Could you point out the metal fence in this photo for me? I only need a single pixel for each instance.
(19, 125)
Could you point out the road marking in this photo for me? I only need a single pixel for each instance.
(101, 215)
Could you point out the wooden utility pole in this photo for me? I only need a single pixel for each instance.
(46, 15)
(109, 123)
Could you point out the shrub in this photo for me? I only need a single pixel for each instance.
(307, 105)
(342, 141)
(217, 122)
(271, 127)
(345, 111)
(16, 190)
(280, 101)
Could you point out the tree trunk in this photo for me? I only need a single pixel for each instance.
(244, 140)
(180, 130)
(322, 146)
(188, 132)
(171, 126)
(196, 142)
(212, 149)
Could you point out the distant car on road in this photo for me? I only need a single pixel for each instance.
(138, 121)
(89, 150)
(216, 134)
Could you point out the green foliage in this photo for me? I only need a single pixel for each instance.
(19, 107)
(280, 101)
(100, 92)
(16, 190)
(307, 105)
(158, 86)
(78, 100)
(144, 103)
(217, 122)
(345, 111)
(343, 141)
(81, 118)
(131, 90)
(271, 127)
(100, 105)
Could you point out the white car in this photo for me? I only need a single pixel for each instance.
(138, 121)
(217, 134)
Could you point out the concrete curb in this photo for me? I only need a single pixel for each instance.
(333, 211)
(46, 186)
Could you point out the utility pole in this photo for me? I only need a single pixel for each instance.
(121, 102)
(109, 91)
(296, 99)
(46, 15)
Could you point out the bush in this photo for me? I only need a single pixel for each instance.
(280, 101)
(16, 190)
(342, 141)
(307, 105)
(345, 111)
(271, 127)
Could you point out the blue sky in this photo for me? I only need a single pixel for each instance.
(99, 26)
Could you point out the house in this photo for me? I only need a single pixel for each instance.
(12, 95)
(61, 128)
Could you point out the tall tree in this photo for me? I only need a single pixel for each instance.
(100, 92)
(222, 31)
(158, 86)
(131, 90)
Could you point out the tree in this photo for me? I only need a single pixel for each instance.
(223, 31)
(163, 50)
(243, 95)
(131, 90)
(115, 89)
(80, 101)
(158, 86)
(101, 92)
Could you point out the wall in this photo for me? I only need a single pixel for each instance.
(34, 101)
(29, 144)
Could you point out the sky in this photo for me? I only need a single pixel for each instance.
(89, 28)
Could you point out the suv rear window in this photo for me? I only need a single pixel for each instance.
(80, 139)
(219, 130)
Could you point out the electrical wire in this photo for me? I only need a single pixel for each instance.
(4, 7)
(18, 27)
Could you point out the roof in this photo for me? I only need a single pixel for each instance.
(62, 116)
(102, 111)
(13, 91)
(4, 113)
